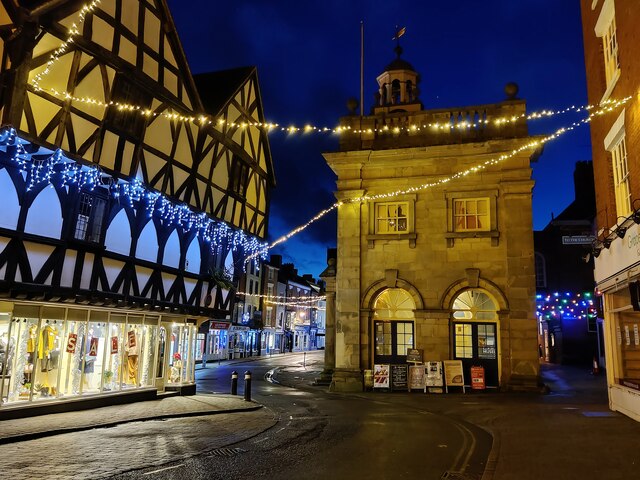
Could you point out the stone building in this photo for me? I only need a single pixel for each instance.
(446, 263)
(610, 36)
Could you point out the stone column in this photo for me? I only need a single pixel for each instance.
(329, 276)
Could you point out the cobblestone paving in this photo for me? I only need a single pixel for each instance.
(172, 406)
(104, 452)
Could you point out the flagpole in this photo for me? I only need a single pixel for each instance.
(361, 68)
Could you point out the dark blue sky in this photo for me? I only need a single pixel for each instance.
(307, 54)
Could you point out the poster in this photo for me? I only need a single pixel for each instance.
(453, 375)
(416, 377)
(434, 374)
(381, 376)
(477, 378)
(72, 342)
(114, 344)
(399, 377)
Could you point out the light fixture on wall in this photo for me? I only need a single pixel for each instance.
(606, 242)
(596, 252)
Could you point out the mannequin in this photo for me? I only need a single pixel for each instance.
(132, 348)
(48, 355)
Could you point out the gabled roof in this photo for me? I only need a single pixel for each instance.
(217, 88)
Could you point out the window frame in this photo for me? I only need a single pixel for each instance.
(613, 142)
(466, 216)
(491, 232)
(409, 234)
(89, 234)
(606, 29)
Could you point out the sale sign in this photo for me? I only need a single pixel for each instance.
(114, 344)
(71, 343)
(131, 335)
(93, 347)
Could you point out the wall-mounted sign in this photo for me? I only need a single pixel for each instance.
(577, 239)
(219, 325)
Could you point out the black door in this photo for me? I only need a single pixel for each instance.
(476, 344)
(392, 340)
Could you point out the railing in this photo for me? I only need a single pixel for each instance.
(434, 127)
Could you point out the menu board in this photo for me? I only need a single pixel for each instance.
(399, 377)
(416, 377)
(381, 376)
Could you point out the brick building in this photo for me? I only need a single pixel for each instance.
(613, 72)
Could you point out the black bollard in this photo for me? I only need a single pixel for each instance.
(234, 383)
(247, 386)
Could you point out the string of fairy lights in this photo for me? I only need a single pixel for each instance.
(46, 170)
(557, 306)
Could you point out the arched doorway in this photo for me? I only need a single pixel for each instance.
(393, 326)
(475, 334)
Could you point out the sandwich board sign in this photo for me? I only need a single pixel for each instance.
(453, 374)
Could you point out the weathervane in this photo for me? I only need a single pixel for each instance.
(399, 32)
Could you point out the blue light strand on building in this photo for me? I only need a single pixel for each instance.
(65, 171)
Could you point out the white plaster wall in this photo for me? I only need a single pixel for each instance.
(172, 251)
(118, 238)
(10, 206)
(66, 279)
(45, 215)
(193, 259)
(147, 248)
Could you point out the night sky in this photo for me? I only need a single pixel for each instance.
(308, 59)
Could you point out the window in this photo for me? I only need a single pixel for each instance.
(616, 144)
(125, 121)
(610, 45)
(471, 214)
(238, 176)
(90, 219)
(606, 29)
(621, 178)
(269, 291)
(391, 217)
(463, 340)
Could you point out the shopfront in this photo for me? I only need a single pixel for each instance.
(217, 340)
(54, 352)
(617, 272)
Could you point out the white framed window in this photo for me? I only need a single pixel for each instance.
(621, 178)
(471, 214)
(615, 143)
(391, 217)
(606, 29)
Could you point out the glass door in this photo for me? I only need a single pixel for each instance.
(392, 340)
(476, 345)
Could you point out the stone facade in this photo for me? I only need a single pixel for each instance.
(428, 257)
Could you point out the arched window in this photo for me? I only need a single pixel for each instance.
(474, 305)
(541, 271)
(393, 325)
(409, 91)
(395, 92)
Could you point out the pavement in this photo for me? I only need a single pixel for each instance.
(568, 433)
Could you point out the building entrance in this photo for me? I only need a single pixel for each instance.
(393, 326)
(475, 335)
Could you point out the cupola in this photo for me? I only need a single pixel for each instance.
(397, 87)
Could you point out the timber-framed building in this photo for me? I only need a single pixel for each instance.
(125, 199)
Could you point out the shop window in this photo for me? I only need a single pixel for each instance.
(90, 218)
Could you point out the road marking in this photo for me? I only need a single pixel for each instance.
(262, 439)
(163, 469)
